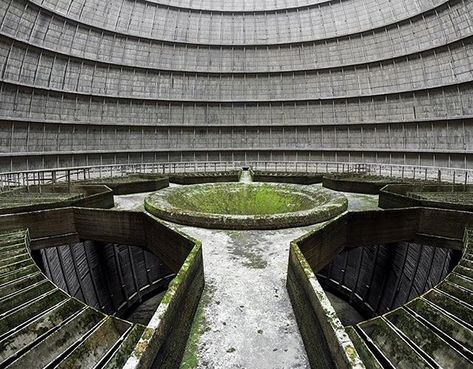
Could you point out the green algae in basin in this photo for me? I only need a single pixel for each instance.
(246, 205)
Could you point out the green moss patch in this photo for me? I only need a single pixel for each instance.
(463, 198)
(240, 199)
(246, 205)
(19, 198)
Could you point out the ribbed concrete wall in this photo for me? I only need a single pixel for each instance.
(111, 278)
(94, 82)
(381, 278)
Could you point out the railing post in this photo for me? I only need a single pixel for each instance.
(439, 176)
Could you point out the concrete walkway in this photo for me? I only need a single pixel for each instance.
(245, 318)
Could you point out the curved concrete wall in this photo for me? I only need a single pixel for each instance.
(111, 278)
(378, 279)
(86, 82)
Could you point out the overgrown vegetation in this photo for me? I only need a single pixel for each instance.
(241, 199)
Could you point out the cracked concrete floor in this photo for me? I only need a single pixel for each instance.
(246, 316)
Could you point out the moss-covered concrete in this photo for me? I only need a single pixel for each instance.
(287, 177)
(445, 196)
(33, 198)
(191, 178)
(62, 327)
(246, 205)
(132, 183)
(326, 342)
(364, 183)
(190, 359)
(164, 340)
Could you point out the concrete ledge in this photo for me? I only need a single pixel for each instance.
(91, 196)
(134, 183)
(164, 339)
(204, 177)
(309, 254)
(326, 342)
(287, 177)
(367, 184)
(408, 195)
(355, 183)
(163, 342)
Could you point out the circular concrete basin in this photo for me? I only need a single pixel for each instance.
(246, 205)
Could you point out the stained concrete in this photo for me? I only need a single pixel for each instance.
(130, 202)
(347, 314)
(247, 320)
(143, 313)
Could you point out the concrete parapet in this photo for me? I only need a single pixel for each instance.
(163, 340)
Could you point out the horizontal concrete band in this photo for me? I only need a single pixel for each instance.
(239, 8)
(27, 66)
(151, 22)
(115, 50)
(450, 163)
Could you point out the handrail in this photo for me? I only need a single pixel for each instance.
(68, 174)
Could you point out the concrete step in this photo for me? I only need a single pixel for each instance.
(366, 355)
(36, 307)
(452, 306)
(13, 301)
(388, 344)
(124, 350)
(97, 346)
(425, 340)
(54, 347)
(20, 284)
(20, 340)
(14, 259)
(42, 326)
(12, 250)
(18, 273)
(443, 324)
(16, 265)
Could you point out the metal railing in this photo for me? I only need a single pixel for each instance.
(70, 174)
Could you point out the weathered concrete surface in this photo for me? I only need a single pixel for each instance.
(145, 311)
(130, 202)
(347, 314)
(246, 317)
